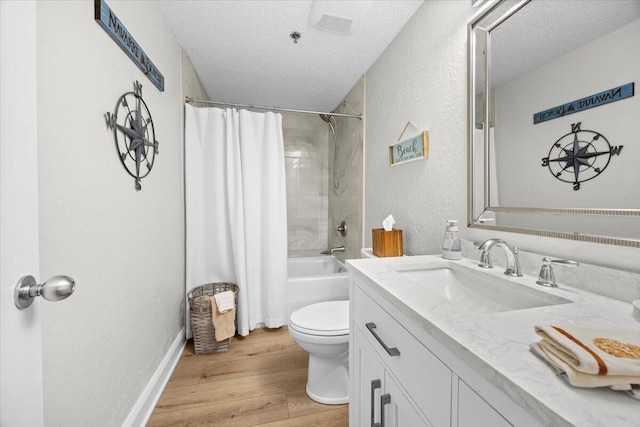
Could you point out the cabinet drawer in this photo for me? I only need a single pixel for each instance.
(425, 378)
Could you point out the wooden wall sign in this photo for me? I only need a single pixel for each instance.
(602, 98)
(114, 27)
(415, 148)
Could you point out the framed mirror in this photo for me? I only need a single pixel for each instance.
(554, 119)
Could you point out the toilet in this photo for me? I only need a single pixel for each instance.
(322, 330)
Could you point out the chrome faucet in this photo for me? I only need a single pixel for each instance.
(513, 264)
(332, 250)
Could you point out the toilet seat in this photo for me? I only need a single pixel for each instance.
(329, 318)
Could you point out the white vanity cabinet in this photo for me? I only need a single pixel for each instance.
(383, 349)
(381, 402)
(387, 359)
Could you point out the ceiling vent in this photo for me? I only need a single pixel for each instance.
(337, 16)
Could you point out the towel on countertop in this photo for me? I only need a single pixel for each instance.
(224, 324)
(592, 358)
(225, 301)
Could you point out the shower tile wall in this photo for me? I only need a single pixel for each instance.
(307, 172)
(346, 201)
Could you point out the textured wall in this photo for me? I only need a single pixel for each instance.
(124, 248)
(421, 77)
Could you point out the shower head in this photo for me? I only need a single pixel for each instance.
(328, 118)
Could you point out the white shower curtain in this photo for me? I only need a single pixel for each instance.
(236, 209)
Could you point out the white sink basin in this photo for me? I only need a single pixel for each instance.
(473, 291)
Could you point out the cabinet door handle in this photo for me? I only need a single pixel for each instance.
(390, 351)
(374, 385)
(384, 400)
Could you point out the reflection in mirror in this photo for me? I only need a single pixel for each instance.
(555, 83)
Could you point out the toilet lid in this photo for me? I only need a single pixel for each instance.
(323, 318)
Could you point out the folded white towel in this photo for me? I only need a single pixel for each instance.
(592, 358)
(580, 379)
(225, 301)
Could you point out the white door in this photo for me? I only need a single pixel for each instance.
(21, 401)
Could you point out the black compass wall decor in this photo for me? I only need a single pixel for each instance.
(579, 156)
(134, 134)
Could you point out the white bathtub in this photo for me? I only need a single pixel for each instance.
(315, 279)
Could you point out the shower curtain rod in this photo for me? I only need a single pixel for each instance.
(260, 107)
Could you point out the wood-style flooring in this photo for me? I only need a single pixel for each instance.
(260, 381)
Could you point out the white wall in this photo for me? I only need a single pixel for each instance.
(124, 248)
(191, 85)
(421, 77)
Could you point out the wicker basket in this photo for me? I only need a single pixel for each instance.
(204, 338)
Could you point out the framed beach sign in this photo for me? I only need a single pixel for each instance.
(411, 149)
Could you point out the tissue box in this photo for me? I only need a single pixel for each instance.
(386, 243)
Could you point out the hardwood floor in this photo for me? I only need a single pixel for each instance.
(260, 381)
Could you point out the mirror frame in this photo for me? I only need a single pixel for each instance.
(473, 33)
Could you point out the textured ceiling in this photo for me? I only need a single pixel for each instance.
(543, 31)
(242, 51)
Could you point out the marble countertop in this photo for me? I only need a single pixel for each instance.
(497, 344)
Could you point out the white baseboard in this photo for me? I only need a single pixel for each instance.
(141, 411)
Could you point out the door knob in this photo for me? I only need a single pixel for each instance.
(55, 289)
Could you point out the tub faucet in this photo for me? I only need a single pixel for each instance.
(332, 250)
(513, 264)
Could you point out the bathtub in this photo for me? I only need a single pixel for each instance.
(315, 279)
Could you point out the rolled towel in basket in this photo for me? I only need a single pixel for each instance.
(592, 358)
(225, 301)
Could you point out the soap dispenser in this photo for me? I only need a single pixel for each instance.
(451, 248)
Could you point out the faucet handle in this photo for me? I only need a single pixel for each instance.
(485, 257)
(565, 262)
(485, 260)
(546, 276)
(342, 228)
